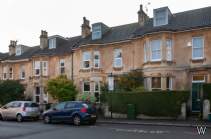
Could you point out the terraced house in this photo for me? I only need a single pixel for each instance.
(172, 49)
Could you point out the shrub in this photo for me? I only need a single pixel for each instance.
(207, 91)
(11, 90)
(62, 89)
(166, 103)
(87, 97)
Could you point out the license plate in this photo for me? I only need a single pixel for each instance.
(93, 116)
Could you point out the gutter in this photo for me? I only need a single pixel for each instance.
(13, 61)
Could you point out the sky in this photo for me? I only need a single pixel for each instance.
(23, 20)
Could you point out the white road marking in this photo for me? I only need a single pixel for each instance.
(140, 131)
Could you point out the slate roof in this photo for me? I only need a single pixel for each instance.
(114, 34)
(179, 22)
(3, 55)
(65, 48)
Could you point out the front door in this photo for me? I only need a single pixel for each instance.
(196, 97)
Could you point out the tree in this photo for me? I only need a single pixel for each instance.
(11, 90)
(62, 89)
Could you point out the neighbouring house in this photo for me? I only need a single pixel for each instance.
(171, 49)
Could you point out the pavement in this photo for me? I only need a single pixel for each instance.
(38, 130)
(176, 123)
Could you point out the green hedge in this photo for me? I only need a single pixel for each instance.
(207, 91)
(154, 103)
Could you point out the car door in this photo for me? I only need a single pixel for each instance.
(6, 110)
(16, 108)
(58, 112)
(69, 109)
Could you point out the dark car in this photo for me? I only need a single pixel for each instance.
(76, 112)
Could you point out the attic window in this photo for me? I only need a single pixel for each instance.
(52, 43)
(18, 51)
(160, 17)
(96, 32)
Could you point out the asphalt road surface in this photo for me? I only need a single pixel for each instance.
(38, 130)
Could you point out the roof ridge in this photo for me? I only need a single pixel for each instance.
(187, 11)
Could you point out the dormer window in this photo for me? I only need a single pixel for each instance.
(161, 16)
(98, 29)
(96, 32)
(52, 43)
(18, 51)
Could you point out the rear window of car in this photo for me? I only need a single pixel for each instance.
(31, 105)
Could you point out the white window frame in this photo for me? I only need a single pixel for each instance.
(156, 17)
(10, 73)
(145, 52)
(169, 49)
(196, 58)
(116, 58)
(52, 43)
(18, 51)
(160, 83)
(89, 87)
(199, 81)
(97, 61)
(170, 83)
(61, 66)
(44, 68)
(152, 52)
(96, 32)
(22, 70)
(5, 71)
(99, 89)
(37, 66)
(84, 59)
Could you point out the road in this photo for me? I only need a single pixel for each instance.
(38, 130)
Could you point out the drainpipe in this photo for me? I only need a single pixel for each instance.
(72, 67)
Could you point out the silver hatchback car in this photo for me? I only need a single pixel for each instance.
(20, 110)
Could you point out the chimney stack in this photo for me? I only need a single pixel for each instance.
(43, 39)
(12, 47)
(142, 16)
(85, 28)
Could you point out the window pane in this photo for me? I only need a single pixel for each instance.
(198, 78)
(155, 49)
(198, 47)
(169, 50)
(86, 86)
(118, 62)
(156, 82)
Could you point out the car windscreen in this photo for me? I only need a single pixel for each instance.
(31, 105)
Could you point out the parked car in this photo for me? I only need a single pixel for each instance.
(76, 112)
(19, 110)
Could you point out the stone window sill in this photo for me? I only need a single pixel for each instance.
(198, 60)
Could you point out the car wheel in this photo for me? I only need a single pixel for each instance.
(77, 120)
(92, 122)
(1, 118)
(47, 120)
(19, 118)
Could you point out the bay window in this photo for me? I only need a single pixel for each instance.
(169, 50)
(197, 48)
(145, 52)
(96, 59)
(155, 46)
(156, 83)
(22, 72)
(45, 68)
(117, 58)
(37, 68)
(86, 60)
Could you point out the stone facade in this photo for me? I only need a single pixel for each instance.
(90, 62)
